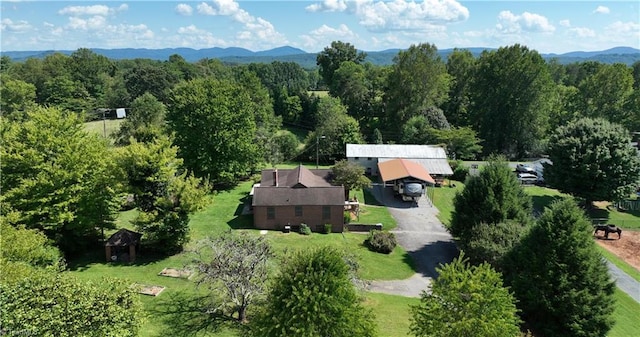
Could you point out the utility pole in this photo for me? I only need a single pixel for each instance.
(317, 148)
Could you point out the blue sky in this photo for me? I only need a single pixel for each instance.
(371, 25)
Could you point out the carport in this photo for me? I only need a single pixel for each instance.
(396, 170)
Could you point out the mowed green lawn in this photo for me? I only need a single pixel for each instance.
(177, 310)
(111, 126)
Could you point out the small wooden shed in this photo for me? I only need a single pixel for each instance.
(122, 246)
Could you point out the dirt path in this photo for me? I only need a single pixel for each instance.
(423, 236)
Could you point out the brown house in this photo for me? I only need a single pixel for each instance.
(294, 196)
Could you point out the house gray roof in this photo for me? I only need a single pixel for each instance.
(298, 177)
(434, 166)
(396, 151)
(286, 196)
(299, 186)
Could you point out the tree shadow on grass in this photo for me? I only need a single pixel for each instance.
(540, 202)
(185, 314)
(241, 222)
(97, 256)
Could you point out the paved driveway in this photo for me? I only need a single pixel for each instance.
(422, 235)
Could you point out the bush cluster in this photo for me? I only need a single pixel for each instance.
(327, 228)
(460, 173)
(304, 229)
(381, 241)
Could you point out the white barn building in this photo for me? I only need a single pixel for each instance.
(432, 158)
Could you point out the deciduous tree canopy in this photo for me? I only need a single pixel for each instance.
(466, 301)
(592, 159)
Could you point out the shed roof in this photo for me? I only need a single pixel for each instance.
(124, 238)
(409, 151)
(403, 168)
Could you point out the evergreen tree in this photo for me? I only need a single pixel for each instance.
(492, 197)
(560, 278)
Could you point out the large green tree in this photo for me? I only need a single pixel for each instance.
(335, 129)
(48, 303)
(593, 159)
(313, 296)
(492, 197)
(461, 67)
(215, 129)
(418, 80)
(164, 194)
(510, 100)
(57, 178)
(560, 278)
(39, 300)
(145, 121)
(16, 96)
(605, 94)
(332, 57)
(466, 300)
(350, 175)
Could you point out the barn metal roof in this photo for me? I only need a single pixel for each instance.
(433, 166)
(408, 151)
(402, 168)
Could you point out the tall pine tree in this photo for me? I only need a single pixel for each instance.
(559, 277)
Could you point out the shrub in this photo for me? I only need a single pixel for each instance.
(460, 173)
(304, 229)
(381, 241)
(327, 228)
(347, 217)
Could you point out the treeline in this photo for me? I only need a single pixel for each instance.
(504, 101)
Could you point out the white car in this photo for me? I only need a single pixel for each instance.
(523, 168)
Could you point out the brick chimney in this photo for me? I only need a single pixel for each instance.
(275, 177)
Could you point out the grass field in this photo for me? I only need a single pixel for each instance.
(98, 127)
(626, 315)
(631, 271)
(176, 311)
(443, 200)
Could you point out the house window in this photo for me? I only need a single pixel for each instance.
(326, 212)
(298, 210)
(271, 213)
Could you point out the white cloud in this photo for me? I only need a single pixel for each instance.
(184, 9)
(624, 30)
(85, 10)
(194, 37)
(257, 32)
(509, 23)
(582, 32)
(328, 6)
(92, 10)
(324, 34)
(409, 15)
(19, 26)
(602, 10)
(565, 23)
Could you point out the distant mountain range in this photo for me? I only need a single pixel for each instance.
(626, 55)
